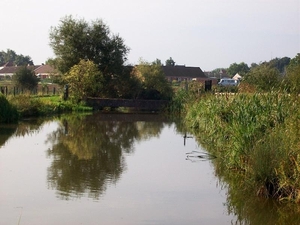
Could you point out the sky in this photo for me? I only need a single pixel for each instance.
(208, 34)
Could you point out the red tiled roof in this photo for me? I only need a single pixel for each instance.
(14, 69)
(44, 69)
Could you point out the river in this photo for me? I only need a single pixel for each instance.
(112, 169)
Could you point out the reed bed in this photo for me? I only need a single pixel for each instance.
(253, 134)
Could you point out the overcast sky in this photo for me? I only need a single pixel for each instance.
(205, 33)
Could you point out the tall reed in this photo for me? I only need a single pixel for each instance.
(257, 134)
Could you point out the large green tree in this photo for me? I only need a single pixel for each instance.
(291, 82)
(26, 78)
(264, 77)
(280, 63)
(14, 58)
(241, 68)
(73, 40)
(154, 82)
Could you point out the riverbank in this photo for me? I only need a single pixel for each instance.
(254, 135)
(22, 106)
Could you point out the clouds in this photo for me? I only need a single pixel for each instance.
(203, 33)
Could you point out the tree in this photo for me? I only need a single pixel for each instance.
(263, 77)
(241, 68)
(154, 82)
(73, 40)
(170, 62)
(84, 79)
(280, 63)
(15, 59)
(26, 78)
(292, 79)
(158, 62)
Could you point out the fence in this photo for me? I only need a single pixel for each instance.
(40, 90)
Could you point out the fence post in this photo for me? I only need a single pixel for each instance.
(66, 92)
(208, 84)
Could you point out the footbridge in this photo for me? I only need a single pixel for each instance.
(137, 104)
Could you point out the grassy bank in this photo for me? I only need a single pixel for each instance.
(33, 106)
(256, 135)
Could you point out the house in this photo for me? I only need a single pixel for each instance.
(183, 73)
(42, 71)
(6, 72)
(45, 71)
(237, 77)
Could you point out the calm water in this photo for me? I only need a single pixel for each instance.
(110, 169)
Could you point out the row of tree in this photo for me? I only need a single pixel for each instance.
(242, 68)
(91, 60)
(15, 59)
(278, 73)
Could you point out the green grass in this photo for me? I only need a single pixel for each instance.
(253, 134)
(29, 106)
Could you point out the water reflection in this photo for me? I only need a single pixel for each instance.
(87, 155)
(5, 132)
(245, 204)
(88, 152)
(21, 129)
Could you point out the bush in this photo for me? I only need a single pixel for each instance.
(8, 113)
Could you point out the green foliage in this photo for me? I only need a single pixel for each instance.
(179, 101)
(170, 62)
(257, 134)
(280, 63)
(127, 86)
(26, 78)
(292, 78)
(154, 82)
(8, 113)
(28, 106)
(73, 40)
(84, 80)
(241, 68)
(264, 78)
(15, 59)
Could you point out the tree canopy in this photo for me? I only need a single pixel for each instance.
(73, 40)
(12, 57)
(241, 68)
(84, 79)
(263, 77)
(26, 78)
(292, 77)
(153, 80)
(170, 62)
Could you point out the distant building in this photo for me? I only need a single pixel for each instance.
(41, 71)
(183, 73)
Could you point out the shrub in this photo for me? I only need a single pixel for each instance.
(8, 113)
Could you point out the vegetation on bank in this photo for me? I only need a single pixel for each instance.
(254, 132)
(8, 113)
(255, 135)
(22, 106)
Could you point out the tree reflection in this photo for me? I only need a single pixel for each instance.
(88, 152)
(6, 131)
(21, 129)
